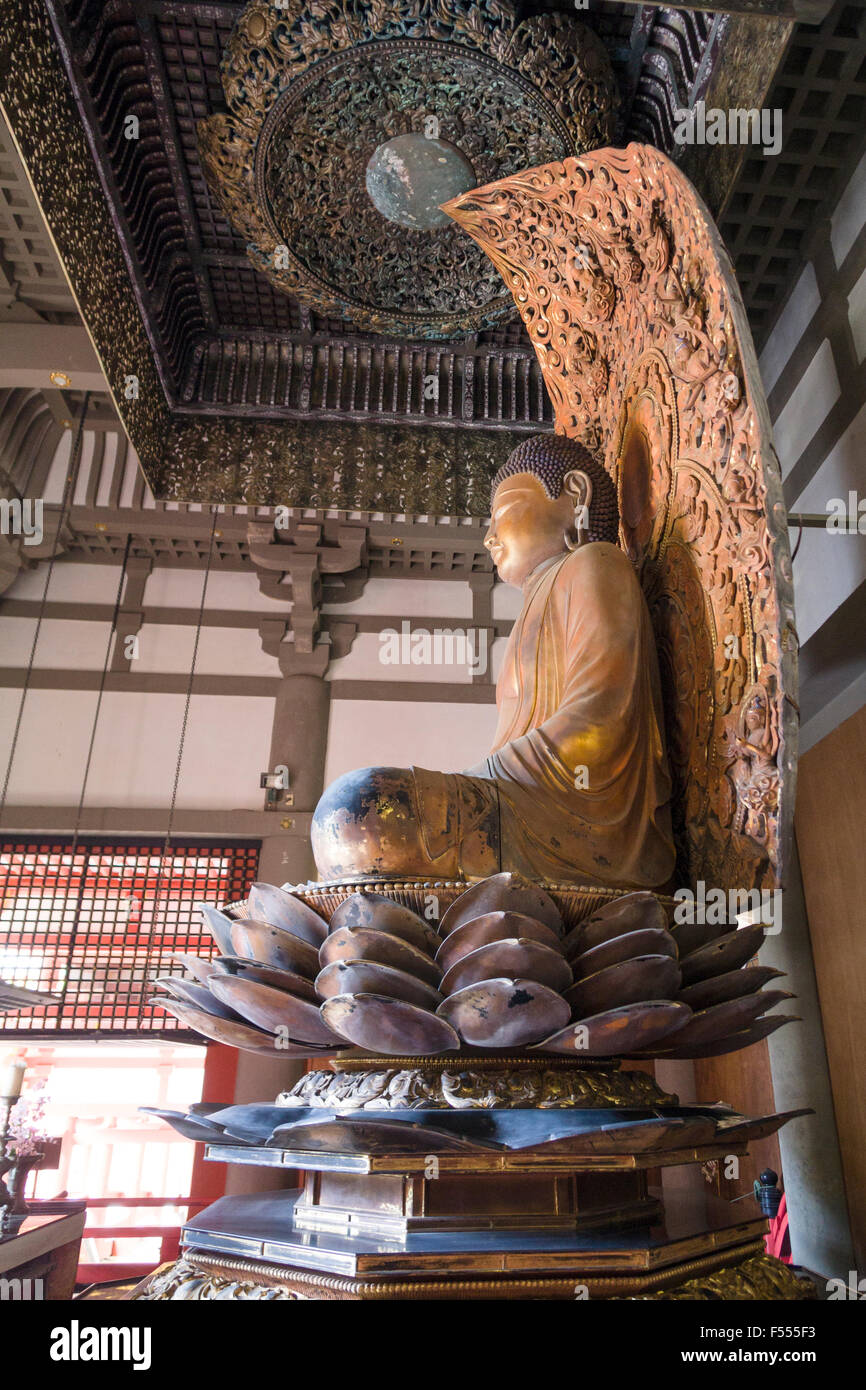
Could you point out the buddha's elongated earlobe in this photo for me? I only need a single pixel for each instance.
(578, 486)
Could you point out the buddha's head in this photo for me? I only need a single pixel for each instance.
(548, 497)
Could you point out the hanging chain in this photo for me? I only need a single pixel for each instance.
(167, 841)
(76, 831)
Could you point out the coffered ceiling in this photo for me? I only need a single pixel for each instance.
(224, 341)
(224, 337)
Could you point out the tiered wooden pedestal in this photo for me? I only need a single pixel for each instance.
(474, 1177)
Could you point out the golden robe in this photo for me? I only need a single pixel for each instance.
(578, 763)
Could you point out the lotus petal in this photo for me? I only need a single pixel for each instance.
(363, 943)
(257, 941)
(381, 914)
(266, 903)
(493, 926)
(504, 1012)
(219, 926)
(366, 1136)
(196, 965)
(719, 1021)
(636, 1136)
(513, 958)
(206, 1108)
(726, 953)
(392, 1026)
(369, 977)
(732, 985)
(224, 1030)
(759, 1030)
(502, 893)
(273, 1009)
(759, 1126)
(194, 993)
(631, 912)
(651, 941)
(619, 1031)
(262, 974)
(645, 977)
(690, 936)
(189, 1126)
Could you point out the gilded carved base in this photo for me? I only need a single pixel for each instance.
(185, 1281)
(754, 1276)
(511, 1083)
(760, 1278)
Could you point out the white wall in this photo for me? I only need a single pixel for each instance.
(63, 644)
(228, 737)
(409, 598)
(135, 752)
(394, 733)
(830, 565)
(807, 408)
(171, 588)
(71, 582)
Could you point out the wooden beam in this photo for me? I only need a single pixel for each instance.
(801, 11)
(30, 352)
(147, 820)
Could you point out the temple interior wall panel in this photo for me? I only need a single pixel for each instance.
(821, 588)
(135, 749)
(812, 366)
(405, 598)
(409, 732)
(237, 591)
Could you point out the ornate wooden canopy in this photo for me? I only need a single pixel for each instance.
(631, 304)
(310, 93)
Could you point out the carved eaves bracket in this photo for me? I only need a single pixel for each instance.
(291, 564)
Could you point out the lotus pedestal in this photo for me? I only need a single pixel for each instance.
(476, 1177)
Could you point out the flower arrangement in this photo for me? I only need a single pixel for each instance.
(26, 1131)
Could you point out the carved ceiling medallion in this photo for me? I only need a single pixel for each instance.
(315, 91)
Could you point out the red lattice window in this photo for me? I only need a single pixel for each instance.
(94, 927)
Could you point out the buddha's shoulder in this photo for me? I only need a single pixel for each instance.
(597, 560)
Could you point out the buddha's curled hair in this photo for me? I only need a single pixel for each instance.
(548, 457)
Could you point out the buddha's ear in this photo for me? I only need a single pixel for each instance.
(578, 486)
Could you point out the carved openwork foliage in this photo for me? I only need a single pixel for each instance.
(313, 90)
(630, 301)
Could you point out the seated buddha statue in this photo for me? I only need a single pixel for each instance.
(576, 787)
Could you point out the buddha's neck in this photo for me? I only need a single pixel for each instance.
(532, 579)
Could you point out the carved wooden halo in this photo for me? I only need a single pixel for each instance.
(631, 303)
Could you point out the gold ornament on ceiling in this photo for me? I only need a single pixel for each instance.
(347, 124)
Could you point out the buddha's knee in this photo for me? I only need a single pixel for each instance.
(366, 823)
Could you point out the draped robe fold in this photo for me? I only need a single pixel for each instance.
(578, 766)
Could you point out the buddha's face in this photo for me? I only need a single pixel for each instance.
(526, 527)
